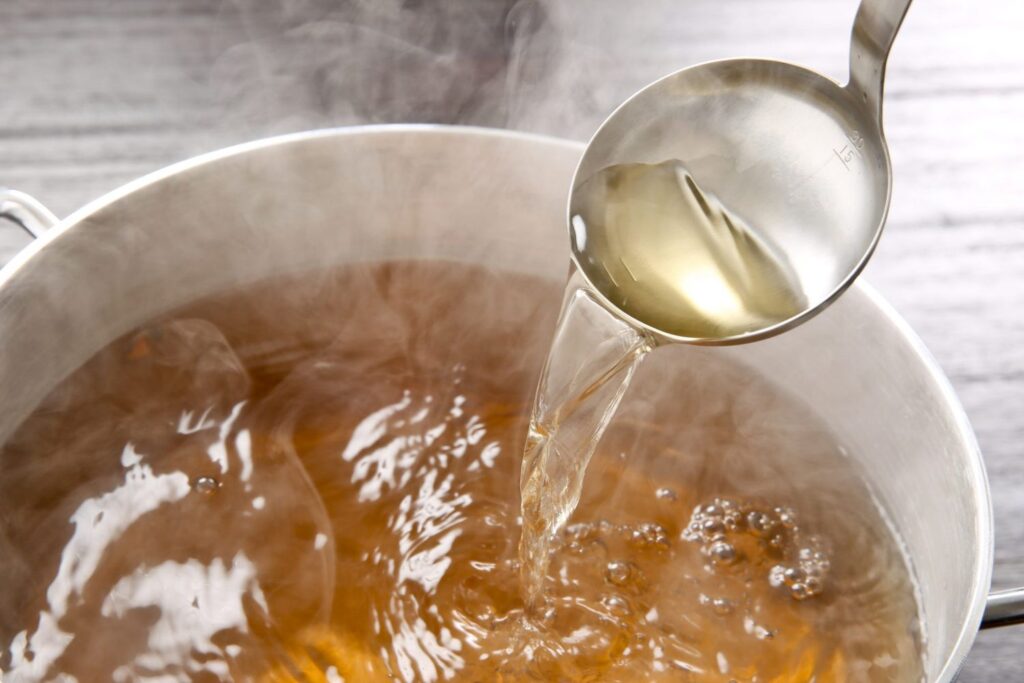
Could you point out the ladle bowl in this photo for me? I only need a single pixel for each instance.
(796, 155)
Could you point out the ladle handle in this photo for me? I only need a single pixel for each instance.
(25, 211)
(874, 31)
(1004, 608)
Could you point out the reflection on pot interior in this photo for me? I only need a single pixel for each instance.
(316, 479)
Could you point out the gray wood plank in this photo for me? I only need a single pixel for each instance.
(98, 92)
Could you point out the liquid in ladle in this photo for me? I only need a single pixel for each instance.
(669, 255)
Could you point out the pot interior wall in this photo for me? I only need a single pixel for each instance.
(495, 199)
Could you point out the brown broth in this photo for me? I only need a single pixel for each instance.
(317, 479)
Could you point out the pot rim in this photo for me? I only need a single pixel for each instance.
(984, 525)
(91, 207)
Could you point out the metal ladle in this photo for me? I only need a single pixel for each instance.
(796, 155)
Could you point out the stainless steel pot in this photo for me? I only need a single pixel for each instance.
(324, 198)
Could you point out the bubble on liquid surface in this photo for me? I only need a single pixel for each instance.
(720, 606)
(650, 535)
(206, 485)
(619, 573)
(721, 553)
(772, 538)
(665, 493)
(804, 576)
(617, 605)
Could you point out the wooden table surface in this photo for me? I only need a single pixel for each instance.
(94, 93)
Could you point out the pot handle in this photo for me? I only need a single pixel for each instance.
(26, 211)
(1004, 608)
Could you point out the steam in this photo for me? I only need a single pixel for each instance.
(500, 63)
(543, 66)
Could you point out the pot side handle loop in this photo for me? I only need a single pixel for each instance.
(26, 211)
(1004, 608)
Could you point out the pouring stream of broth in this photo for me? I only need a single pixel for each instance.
(667, 253)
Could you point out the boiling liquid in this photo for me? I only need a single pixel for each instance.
(671, 256)
(315, 479)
